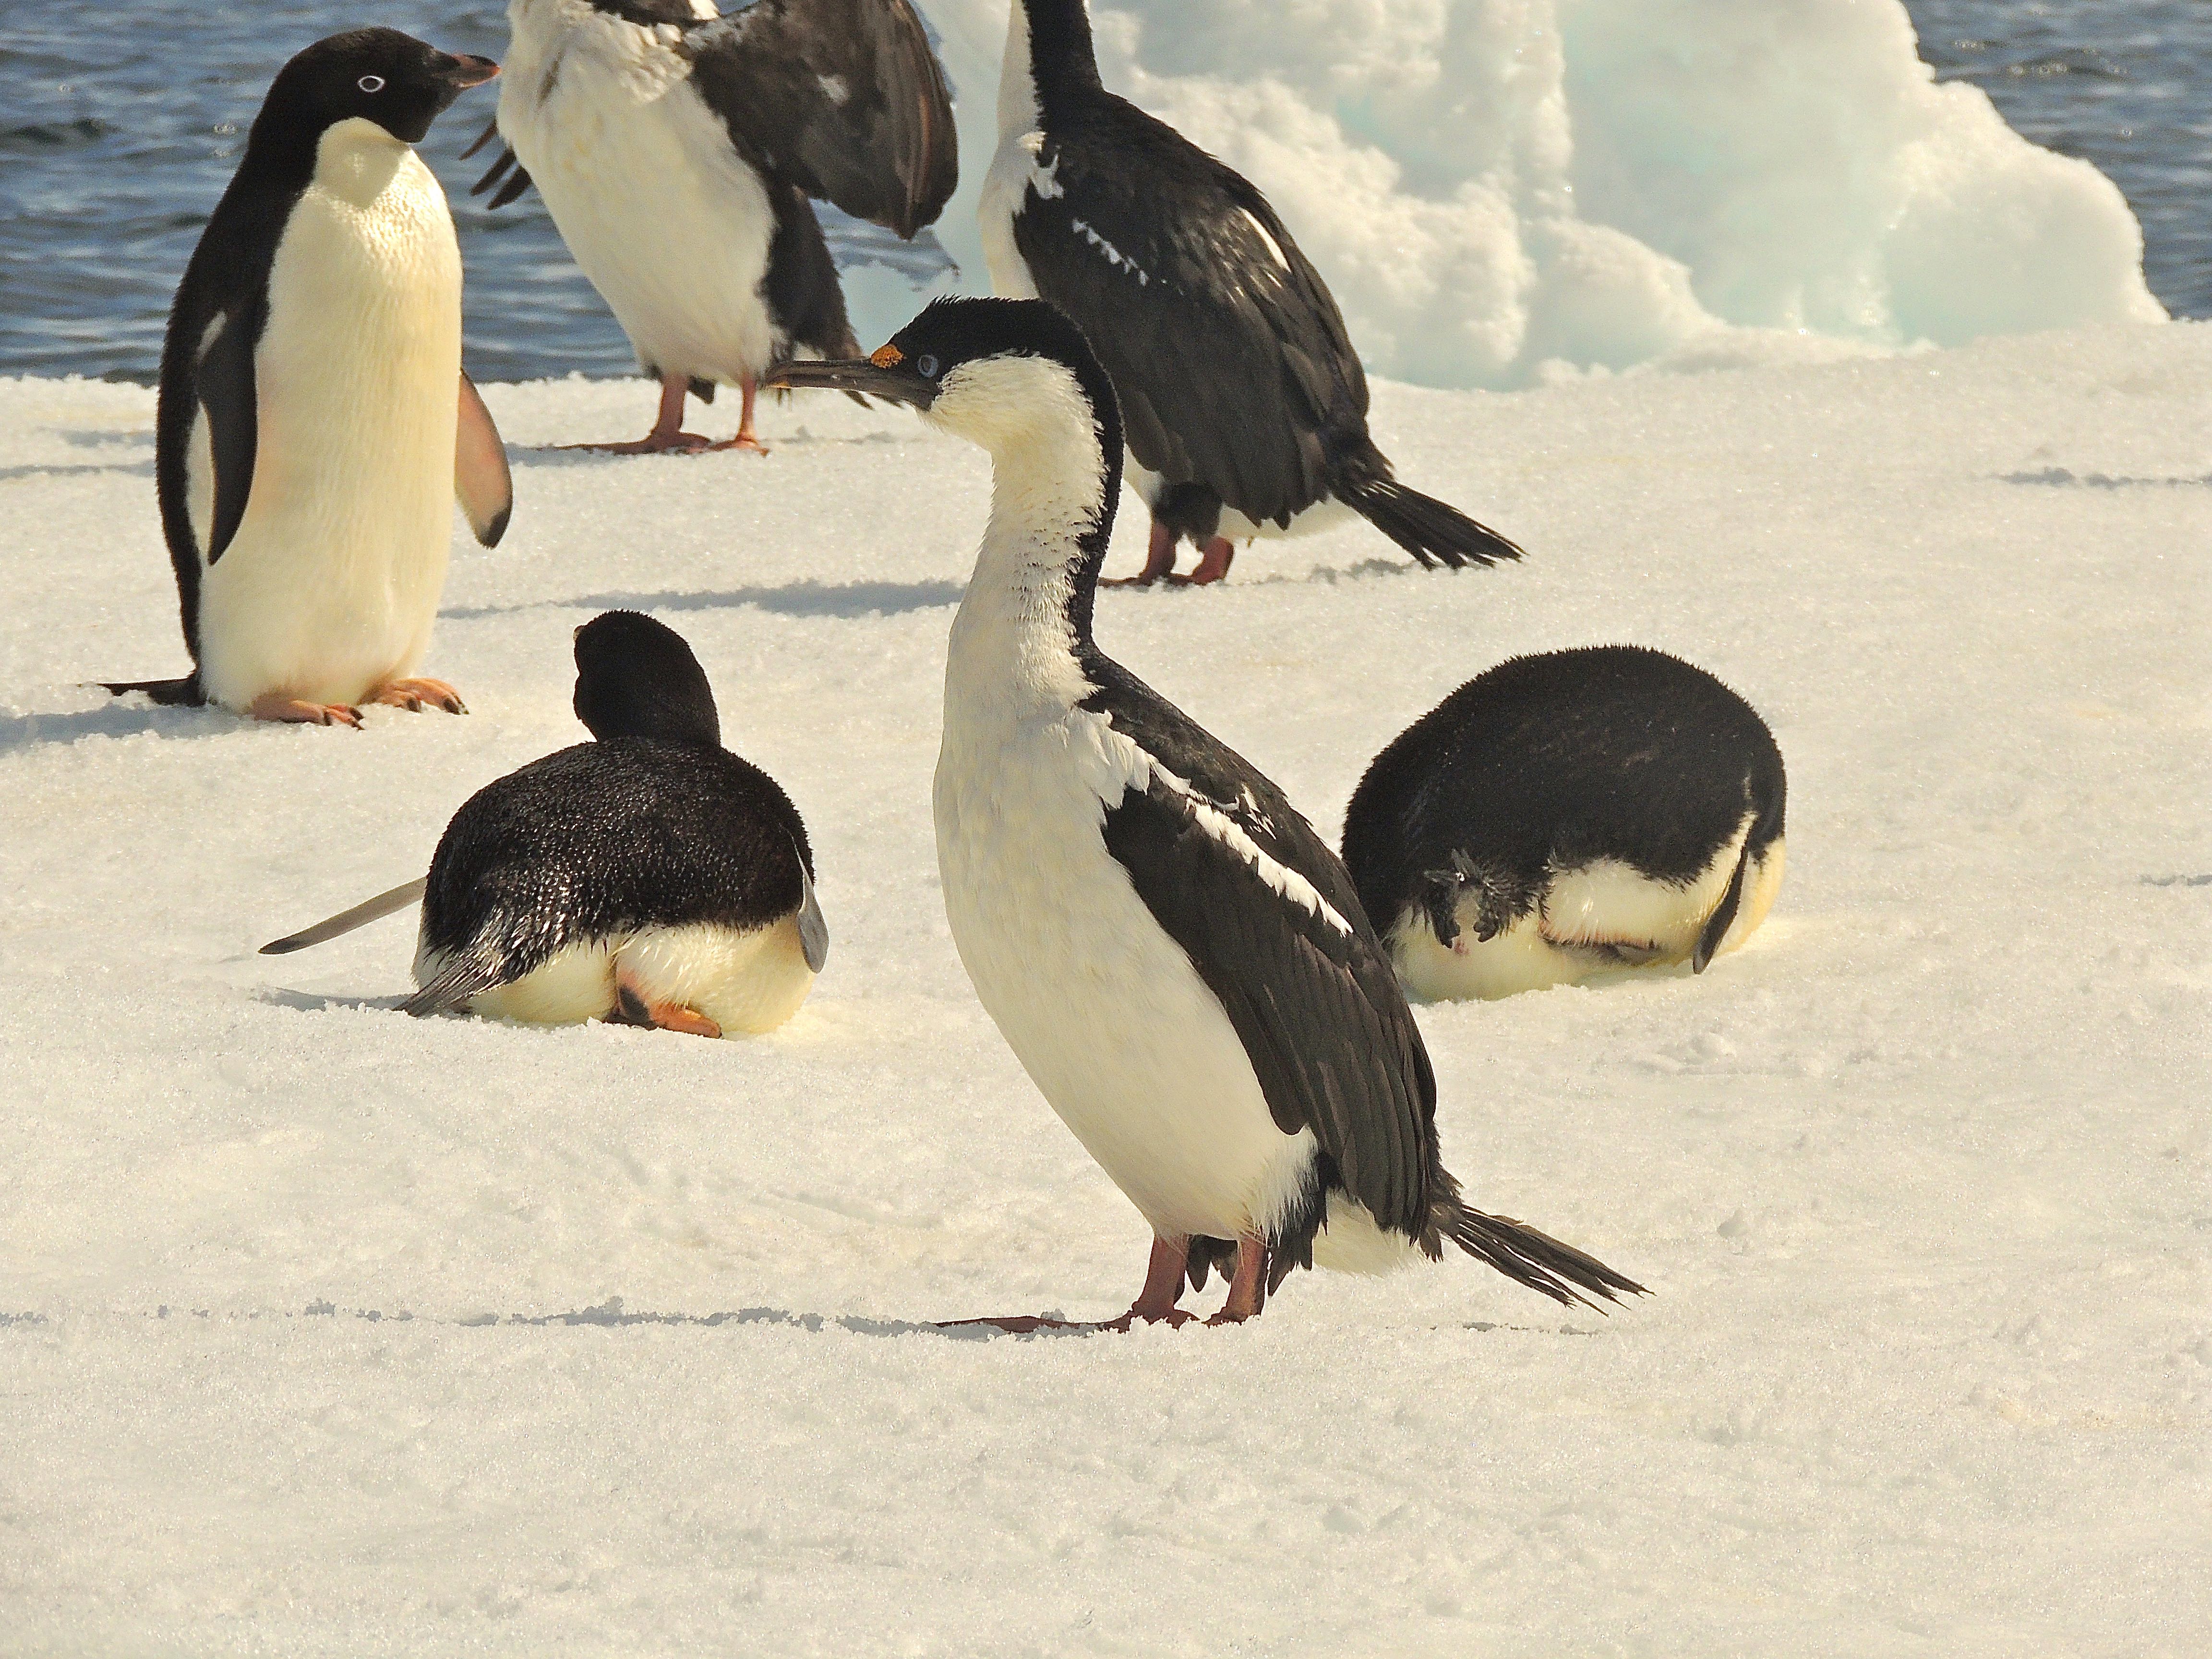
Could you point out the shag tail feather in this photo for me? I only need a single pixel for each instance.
(1431, 530)
(1535, 1258)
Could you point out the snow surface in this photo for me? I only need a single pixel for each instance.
(1499, 191)
(326, 1331)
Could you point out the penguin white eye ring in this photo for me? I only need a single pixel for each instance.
(370, 83)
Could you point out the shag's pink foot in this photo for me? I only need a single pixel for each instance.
(655, 442)
(1155, 1304)
(1159, 560)
(417, 695)
(276, 706)
(747, 439)
(632, 1008)
(667, 432)
(1247, 1290)
(1213, 563)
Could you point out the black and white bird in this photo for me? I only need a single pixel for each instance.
(650, 877)
(677, 151)
(314, 424)
(1567, 814)
(1244, 403)
(1178, 961)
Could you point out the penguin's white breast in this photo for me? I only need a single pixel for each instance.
(331, 582)
(672, 228)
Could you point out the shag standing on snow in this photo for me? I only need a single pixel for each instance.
(314, 424)
(1178, 961)
(1245, 406)
(677, 149)
(1566, 814)
(650, 877)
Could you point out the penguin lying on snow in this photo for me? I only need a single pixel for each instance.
(650, 877)
(678, 151)
(313, 420)
(1178, 961)
(1565, 814)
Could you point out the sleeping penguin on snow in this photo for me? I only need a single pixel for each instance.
(650, 877)
(1567, 814)
(314, 424)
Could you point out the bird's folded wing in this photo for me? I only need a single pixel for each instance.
(482, 481)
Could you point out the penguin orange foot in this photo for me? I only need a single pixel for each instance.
(632, 1008)
(415, 694)
(294, 711)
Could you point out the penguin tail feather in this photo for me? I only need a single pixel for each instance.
(1433, 531)
(169, 694)
(1534, 1259)
(468, 974)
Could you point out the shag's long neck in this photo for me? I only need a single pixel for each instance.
(1049, 57)
(1024, 629)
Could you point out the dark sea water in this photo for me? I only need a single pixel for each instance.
(115, 141)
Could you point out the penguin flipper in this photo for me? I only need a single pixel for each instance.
(346, 920)
(813, 929)
(223, 382)
(482, 480)
(468, 974)
(1716, 925)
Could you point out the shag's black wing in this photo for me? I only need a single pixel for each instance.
(843, 98)
(1227, 350)
(599, 839)
(1308, 987)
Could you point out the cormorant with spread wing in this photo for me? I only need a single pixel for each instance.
(678, 151)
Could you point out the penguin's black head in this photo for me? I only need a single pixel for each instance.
(636, 678)
(987, 370)
(377, 75)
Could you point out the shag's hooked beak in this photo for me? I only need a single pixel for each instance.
(884, 375)
(469, 70)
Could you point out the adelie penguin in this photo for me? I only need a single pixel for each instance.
(680, 153)
(650, 877)
(1244, 404)
(1179, 961)
(1565, 814)
(314, 424)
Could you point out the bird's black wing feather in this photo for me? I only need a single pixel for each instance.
(224, 386)
(843, 98)
(1230, 356)
(1309, 990)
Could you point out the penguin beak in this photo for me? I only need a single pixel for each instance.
(892, 383)
(469, 71)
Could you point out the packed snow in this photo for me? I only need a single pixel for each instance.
(323, 1330)
(1503, 191)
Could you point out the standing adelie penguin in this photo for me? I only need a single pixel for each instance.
(1245, 406)
(1566, 814)
(677, 151)
(314, 424)
(1178, 961)
(650, 877)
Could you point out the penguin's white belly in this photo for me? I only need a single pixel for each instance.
(330, 585)
(1602, 918)
(672, 228)
(1104, 1010)
(750, 981)
(1005, 190)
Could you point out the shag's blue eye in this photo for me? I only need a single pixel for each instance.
(370, 83)
(925, 366)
